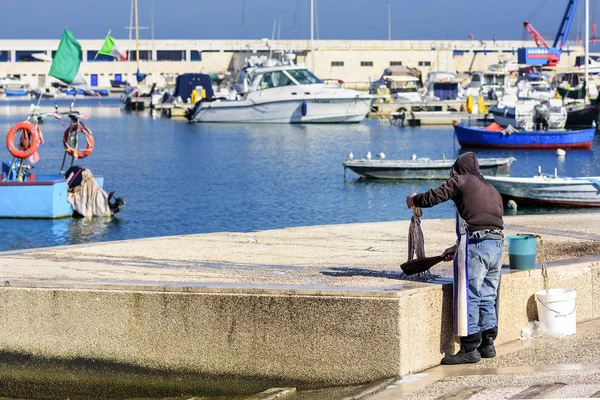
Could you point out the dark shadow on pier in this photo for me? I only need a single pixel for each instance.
(397, 275)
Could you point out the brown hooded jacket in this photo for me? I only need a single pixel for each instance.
(477, 201)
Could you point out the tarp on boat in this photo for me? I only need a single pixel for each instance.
(85, 195)
(185, 83)
(493, 127)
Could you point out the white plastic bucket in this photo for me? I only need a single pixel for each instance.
(556, 311)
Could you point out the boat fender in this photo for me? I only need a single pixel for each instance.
(29, 142)
(194, 97)
(88, 136)
(304, 108)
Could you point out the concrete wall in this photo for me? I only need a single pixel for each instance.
(218, 55)
(306, 338)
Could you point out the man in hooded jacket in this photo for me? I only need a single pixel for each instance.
(479, 213)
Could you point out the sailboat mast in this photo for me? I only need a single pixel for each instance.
(312, 33)
(137, 38)
(129, 27)
(587, 45)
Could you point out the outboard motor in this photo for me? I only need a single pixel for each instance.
(190, 112)
(541, 116)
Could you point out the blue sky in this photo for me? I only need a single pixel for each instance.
(337, 19)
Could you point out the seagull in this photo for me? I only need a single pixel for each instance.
(368, 155)
(381, 155)
(350, 156)
(414, 157)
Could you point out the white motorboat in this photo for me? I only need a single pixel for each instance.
(444, 86)
(549, 190)
(531, 115)
(403, 83)
(488, 84)
(284, 94)
(535, 87)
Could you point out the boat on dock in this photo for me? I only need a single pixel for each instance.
(496, 137)
(545, 190)
(422, 168)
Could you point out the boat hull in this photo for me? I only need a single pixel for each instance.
(16, 92)
(480, 138)
(334, 110)
(403, 170)
(546, 191)
(583, 116)
(45, 196)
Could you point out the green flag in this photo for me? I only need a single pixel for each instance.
(65, 65)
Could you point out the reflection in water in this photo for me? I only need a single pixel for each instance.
(82, 230)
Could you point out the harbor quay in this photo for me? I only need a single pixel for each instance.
(234, 313)
(356, 62)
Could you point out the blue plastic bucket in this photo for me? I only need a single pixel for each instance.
(521, 251)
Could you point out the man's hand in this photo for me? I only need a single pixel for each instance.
(409, 200)
(448, 254)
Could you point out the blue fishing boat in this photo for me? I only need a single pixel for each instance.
(37, 196)
(16, 92)
(469, 137)
(24, 194)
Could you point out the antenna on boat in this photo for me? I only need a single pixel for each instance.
(587, 47)
(312, 33)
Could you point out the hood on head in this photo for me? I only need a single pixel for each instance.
(465, 164)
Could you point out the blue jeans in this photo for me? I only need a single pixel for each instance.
(484, 267)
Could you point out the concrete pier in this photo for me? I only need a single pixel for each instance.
(304, 307)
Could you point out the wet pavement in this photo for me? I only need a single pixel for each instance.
(567, 367)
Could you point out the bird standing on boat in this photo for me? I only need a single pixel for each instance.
(368, 155)
(350, 156)
(381, 155)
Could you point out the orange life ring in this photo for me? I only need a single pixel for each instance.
(88, 135)
(30, 139)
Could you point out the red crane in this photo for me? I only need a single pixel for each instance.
(553, 59)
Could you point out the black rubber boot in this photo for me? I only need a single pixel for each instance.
(487, 349)
(468, 353)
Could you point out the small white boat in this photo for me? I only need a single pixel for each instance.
(422, 168)
(544, 190)
(535, 87)
(404, 84)
(531, 115)
(488, 84)
(284, 94)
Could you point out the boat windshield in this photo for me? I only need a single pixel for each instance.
(274, 79)
(303, 76)
(494, 79)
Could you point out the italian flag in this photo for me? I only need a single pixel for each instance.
(65, 65)
(111, 49)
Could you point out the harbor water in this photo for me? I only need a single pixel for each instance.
(181, 178)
